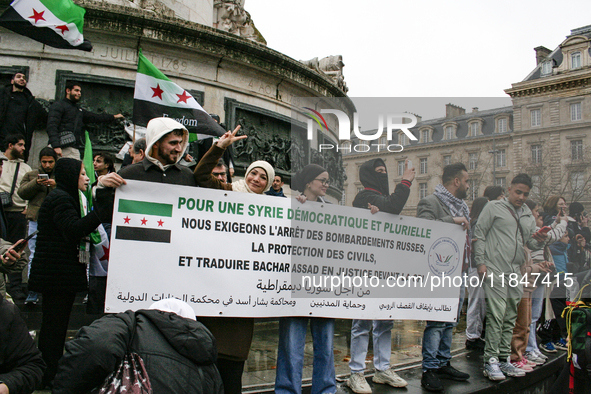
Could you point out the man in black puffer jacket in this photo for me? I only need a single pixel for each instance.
(66, 120)
(179, 353)
(20, 113)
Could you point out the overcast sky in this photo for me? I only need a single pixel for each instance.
(415, 48)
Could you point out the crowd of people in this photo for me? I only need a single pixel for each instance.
(506, 234)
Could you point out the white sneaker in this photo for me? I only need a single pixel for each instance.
(533, 358)
(510, 370)
(541, 355)
(358, 384)
(389, 377)
(492, 370)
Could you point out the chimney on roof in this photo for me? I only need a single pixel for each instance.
(474, 110)
(541, 53)
(451, 111)
(419, 117)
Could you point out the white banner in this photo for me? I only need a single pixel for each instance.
(242, 255)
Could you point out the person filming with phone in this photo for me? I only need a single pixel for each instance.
(34, 187)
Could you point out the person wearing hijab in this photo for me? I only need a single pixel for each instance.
(178, 352)
(374, 178)
(233, 335)
(312, 181)
(58, 270)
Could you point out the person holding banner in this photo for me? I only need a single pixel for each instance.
(374, 177)
(446, 204)
(233, 335)
(312, 181)
(62, 253)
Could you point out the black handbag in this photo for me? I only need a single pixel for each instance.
(7, 197)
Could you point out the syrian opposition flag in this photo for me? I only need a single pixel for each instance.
(156, 96)
(57, 23)
(144, 221)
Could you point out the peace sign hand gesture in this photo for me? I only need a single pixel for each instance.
(229, 138)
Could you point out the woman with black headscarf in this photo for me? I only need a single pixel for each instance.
(312, 181)
(58, 270)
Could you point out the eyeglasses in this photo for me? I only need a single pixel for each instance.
(219, 174)
(325, 182)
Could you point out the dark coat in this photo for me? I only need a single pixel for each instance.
(21, 365)
(56, 267)
(376, 190)
(179, 354)
(36, 116)
(65, 115)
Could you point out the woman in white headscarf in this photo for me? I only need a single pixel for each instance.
(233, 335)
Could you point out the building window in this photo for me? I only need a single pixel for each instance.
(449, 132)
(501, 159)
(502, 182)
(576, 148)
(423, 166)
(547, 68)
(401, 167)
(473, 161)
(403, 139)
(502, 125)
(575, 60)
(577, 180)
(536, 181)
(536, 154)
(575, 111)
(474, 129)
(422, 190)
(473, 189)
(383, 141)
(424, 135)
(536, 117)
(446, 160)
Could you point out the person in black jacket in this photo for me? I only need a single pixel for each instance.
(179, 353)
(56, 270)
(21, 365)
(373, 175)
(66, 120)
(20, 113)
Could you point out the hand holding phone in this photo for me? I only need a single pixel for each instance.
(544, 230)
(18, 247)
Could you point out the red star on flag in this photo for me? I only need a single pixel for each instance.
(37, 15)
(63, 28)
(144, 221)
(127, 219)
(184, 97)
(158, 92)
(160, 223)
(105, 253)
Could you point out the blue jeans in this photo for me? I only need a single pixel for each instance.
(32, 242)
(290, 355)
(382, 344)
(437, 339)
(537, 301)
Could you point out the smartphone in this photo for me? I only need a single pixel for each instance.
(544, 230)
(20, 247)
(409, 164)
(43, 176)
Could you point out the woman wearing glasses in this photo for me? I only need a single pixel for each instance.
(312, 181)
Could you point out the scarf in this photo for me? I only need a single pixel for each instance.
(457, 208)
(84, 247)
